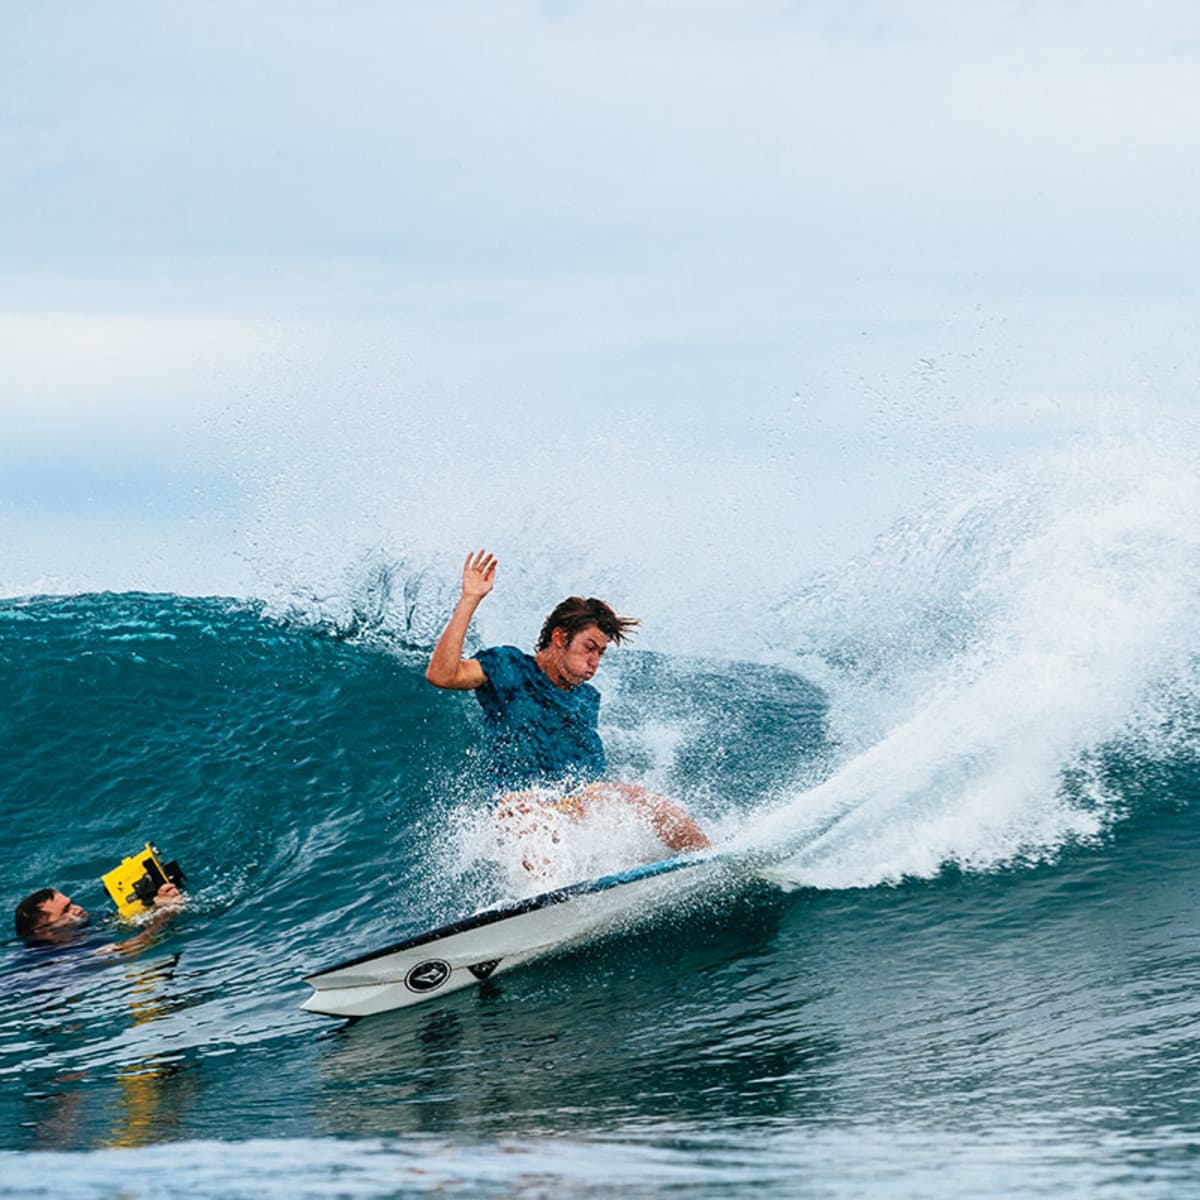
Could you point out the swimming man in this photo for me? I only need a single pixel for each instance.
(49, 916)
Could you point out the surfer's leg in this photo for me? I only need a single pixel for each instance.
(669, 820)
(528, 818)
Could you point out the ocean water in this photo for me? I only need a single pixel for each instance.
(960, 773)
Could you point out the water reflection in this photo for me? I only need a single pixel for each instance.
(149, 1104)
(154, 1096)
(89, 1017)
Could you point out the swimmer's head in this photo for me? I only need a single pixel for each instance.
(47, 914)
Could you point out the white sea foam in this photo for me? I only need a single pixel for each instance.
(989, 646)
(533, 848)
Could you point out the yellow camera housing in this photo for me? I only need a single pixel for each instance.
(134, 884)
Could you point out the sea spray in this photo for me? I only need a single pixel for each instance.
(1058, 614)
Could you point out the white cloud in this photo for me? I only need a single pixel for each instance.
(82, 376)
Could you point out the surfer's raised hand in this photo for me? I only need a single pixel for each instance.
(479, 574)
(447, 667)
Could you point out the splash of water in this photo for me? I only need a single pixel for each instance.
(985, 651)
(530, 847)
(977, 659)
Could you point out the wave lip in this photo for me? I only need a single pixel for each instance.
(1058, 620)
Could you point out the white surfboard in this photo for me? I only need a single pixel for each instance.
(495, 940)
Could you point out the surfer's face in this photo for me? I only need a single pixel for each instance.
(579, 658)
(58, 915)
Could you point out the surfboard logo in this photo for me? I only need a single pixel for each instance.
(427, 976)
(481, 970)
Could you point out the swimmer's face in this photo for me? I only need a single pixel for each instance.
(59, 915)
(580, 658)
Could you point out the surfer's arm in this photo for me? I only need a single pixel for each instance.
(447, 667)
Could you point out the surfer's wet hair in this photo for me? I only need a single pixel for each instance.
(576, 613)
(29, 913)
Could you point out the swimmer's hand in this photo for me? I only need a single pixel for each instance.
(168, 900)
(479, 574)
(169, 896)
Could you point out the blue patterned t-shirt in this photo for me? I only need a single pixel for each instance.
(539, 733)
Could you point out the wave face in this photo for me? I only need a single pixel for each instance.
(969, 758)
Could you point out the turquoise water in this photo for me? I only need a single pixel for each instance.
(977, 980)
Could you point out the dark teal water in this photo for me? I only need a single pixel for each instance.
(1025, 1024)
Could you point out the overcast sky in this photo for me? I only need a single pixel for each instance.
(283, 282)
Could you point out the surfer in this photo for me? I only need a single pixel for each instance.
(540, 711)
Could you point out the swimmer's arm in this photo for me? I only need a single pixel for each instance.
(447, 667)
(168, 900)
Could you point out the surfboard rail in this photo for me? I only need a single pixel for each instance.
(478, 946)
